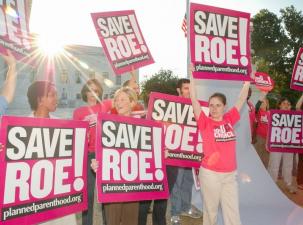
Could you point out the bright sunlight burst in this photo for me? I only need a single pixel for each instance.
(50, 46)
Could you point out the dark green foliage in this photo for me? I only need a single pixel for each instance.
(164, 81)
(276, 41)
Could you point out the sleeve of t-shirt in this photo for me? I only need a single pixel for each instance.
(107, 105)
(76, 114)
(202, 120)
(232, 115)
(3, 105)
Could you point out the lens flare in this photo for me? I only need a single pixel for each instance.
(108, 82)
(244, 177)
(10, 11)
(50, 46)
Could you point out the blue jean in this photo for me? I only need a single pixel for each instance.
(87, 215)
(181, 195)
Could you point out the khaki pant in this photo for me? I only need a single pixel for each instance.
(260, 147)
(219, 188)
(275, 159)
(121, 213)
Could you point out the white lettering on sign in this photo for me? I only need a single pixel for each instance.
(127, 165)
(120, 135)
(173, 112)
(30, 143)
(13, 22)
(121, 36)
(286, 120)
(28, 180)
(220, 39)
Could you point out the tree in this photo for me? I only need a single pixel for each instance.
(164, 82)
(275, 41)
(293, 21)
(268, 38)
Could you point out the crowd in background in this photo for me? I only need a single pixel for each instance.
(216, 175)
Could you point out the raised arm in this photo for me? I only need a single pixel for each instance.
(261, 99)
(133, 75)
(299, 103)
(8, 90)
(242, 96)
(193, 95)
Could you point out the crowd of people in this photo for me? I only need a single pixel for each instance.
(218, 168)
(278, 164)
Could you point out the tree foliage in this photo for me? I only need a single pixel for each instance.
(276, 41)
(164, 82)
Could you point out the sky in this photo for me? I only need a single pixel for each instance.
(69, 22)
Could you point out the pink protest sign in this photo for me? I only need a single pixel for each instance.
(122, 40)
(14, 33)
(131, 164)
(43, 169)
(219, 43)
(182, 138)
(297, 73)
(263, 82)
(285, 131)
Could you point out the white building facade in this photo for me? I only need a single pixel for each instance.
(70, 74)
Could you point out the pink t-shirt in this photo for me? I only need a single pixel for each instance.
(90, 114)
(262, 120)
(219, 141)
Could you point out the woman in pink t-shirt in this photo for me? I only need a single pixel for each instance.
(262, 114)
(92, 94)
(275, 158)
(217, 173)
(252, 115)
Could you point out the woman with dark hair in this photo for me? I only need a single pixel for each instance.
(275, 158)
(261, 128)
(218, 169)
(42, 98)
(91, 94)
(299, 107)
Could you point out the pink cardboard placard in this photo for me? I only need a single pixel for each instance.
(219, 43)
(182, 138)
(131, 160)
(297, 73)
(43, 169)
(263, 82)
(285, 131)
(14, 33)
(122, 40)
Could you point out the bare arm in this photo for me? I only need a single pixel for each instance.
(8, 90)
(299, 103)
(94, 165)
(133, 76)
(263, 95)
(242, 96)
(193, 95)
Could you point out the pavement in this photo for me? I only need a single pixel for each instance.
(296, 198)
